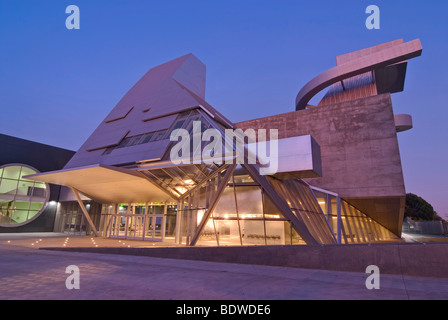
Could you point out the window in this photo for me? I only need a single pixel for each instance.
(21, 200)
(184, 119)
(158, 135)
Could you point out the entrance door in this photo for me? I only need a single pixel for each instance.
(136, 225)
(154, 226)
(138, 222)
(73, 223)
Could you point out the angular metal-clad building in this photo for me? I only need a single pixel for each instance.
(164, 165)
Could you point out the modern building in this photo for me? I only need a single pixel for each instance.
(164, 165)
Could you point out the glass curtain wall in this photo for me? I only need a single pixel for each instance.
(305, 207)
(354, 225)
(139, 221)
(244, 215)
(71, 220)
(233, 212)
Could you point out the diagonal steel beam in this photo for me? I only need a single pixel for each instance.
(281, 204)
(85, 212)
(213, 202)
(159, 186)
(278, 201)
(200, 183)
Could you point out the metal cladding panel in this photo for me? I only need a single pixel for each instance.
(85, 158)
(110, 138)
(192, 76)
(175, 99)
(158, 89)
(143, 152)
(119, 114)
(153, 125)
(297, 157)
(165, 89)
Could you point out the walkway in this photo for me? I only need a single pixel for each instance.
(29, 273)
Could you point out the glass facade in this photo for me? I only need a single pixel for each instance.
(241, 214)
(220, 204)
(356, 227)
(217, 206)
(240, 218)
(21, 200)
(349, 224)
(71, 220)
(139, 221)
(305, 207)
(184, 120)
(244, 214)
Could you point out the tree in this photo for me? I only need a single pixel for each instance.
(418, 209)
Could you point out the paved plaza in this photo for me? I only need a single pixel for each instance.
(27, 272)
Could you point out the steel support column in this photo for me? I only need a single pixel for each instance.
(281, 204)
(85, 212)
(213, 202)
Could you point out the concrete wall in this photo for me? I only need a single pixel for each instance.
(359, 149)
(426, 260)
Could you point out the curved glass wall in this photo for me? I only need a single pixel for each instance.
(21, 200)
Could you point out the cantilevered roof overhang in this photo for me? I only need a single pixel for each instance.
(106, 184)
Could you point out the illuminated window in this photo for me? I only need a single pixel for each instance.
(21, 200)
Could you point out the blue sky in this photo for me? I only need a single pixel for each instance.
(57, 85)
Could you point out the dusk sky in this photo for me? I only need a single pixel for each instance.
(57, 85)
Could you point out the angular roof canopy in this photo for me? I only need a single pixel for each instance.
(106, 184)
(150, 106)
